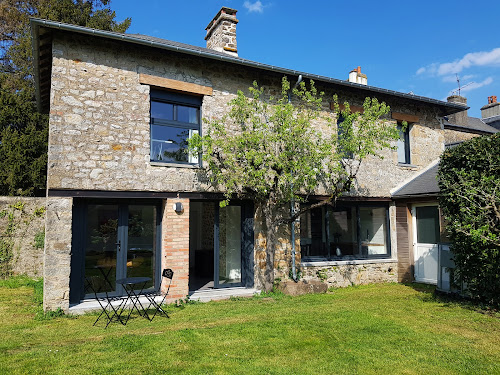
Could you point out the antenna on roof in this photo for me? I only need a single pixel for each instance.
(457, 92)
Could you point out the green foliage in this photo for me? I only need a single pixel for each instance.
(469, 180)
(23, 131)
(39, 240)
(275, 150)
(322, 274)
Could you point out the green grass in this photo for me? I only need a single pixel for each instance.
(376, 329)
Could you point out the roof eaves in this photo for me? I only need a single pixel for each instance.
(36, 23)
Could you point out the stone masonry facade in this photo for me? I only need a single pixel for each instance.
(99, 140)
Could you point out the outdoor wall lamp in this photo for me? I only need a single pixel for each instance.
(178, 207)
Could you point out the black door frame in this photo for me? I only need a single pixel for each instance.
(78, 243)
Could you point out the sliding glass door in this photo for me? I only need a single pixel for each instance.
(228, 252)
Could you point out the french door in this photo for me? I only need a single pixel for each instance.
(118, 240)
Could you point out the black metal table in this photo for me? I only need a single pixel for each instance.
(129, 284)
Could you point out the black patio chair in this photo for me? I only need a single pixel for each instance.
(95, 284)
(168, 274)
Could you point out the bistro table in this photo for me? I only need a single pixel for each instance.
(129, 284)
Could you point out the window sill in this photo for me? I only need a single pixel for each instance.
(176, 165)
(325, 263)
(408, 166)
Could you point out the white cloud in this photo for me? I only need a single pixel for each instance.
(254, 7)
(483, 58)
(476, 85)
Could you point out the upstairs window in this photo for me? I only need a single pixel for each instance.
(174, 119)
(403, 144)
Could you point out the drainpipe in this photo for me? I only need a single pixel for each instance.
(292, 202)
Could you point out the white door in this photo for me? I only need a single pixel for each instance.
(426, 242)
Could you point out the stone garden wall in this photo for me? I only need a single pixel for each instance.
(22, 232)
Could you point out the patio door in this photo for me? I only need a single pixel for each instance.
(118, 240)
(228, 245)
(426, 242)
(220, 245)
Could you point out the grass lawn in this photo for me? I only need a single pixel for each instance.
(375, 329)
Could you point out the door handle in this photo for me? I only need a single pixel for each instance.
(118, 246)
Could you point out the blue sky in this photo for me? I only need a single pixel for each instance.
(407, 46)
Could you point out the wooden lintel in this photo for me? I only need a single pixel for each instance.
(353, 108)
(405, 117)
(172, 84)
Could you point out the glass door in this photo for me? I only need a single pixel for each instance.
(120, 241)
(102, 246)
(141, 241)
(228, 235)
(426, 243)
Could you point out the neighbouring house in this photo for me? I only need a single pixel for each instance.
(125, 199)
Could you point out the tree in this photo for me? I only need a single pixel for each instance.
(469, 181)
(277, 151)
(23, 131)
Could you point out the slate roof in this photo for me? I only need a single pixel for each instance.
(42, 53)
(475, 125)
(425, 184)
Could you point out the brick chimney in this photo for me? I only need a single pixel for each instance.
(356, 76)
(459, 118)
(221, 32)
(491, 109)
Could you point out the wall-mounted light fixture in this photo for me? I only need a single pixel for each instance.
(178, 207)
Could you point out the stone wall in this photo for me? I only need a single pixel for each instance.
(356, 273)
(99, 119)
(454, 136)
(57, 259)
(28, 223)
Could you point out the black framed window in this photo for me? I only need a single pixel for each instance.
(174, 119)
(346, 232)
(403, 144)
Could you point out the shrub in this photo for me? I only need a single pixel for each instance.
(469, 180)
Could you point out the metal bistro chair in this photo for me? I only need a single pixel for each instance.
(95, 284)
(168, 274)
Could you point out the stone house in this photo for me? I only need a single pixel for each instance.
(125, 199)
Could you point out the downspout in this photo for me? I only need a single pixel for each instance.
(292, 202)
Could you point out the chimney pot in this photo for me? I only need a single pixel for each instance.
(356, 76)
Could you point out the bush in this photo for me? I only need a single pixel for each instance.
(469, 180)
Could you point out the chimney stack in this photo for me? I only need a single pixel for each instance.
(356, 76)
(491, 109)
(221, 32)
(459, 118)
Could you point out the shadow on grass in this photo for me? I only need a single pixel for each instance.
(429, 293)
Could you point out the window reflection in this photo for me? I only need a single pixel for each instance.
(344, 232)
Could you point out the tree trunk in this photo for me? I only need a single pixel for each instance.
(270, 221)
